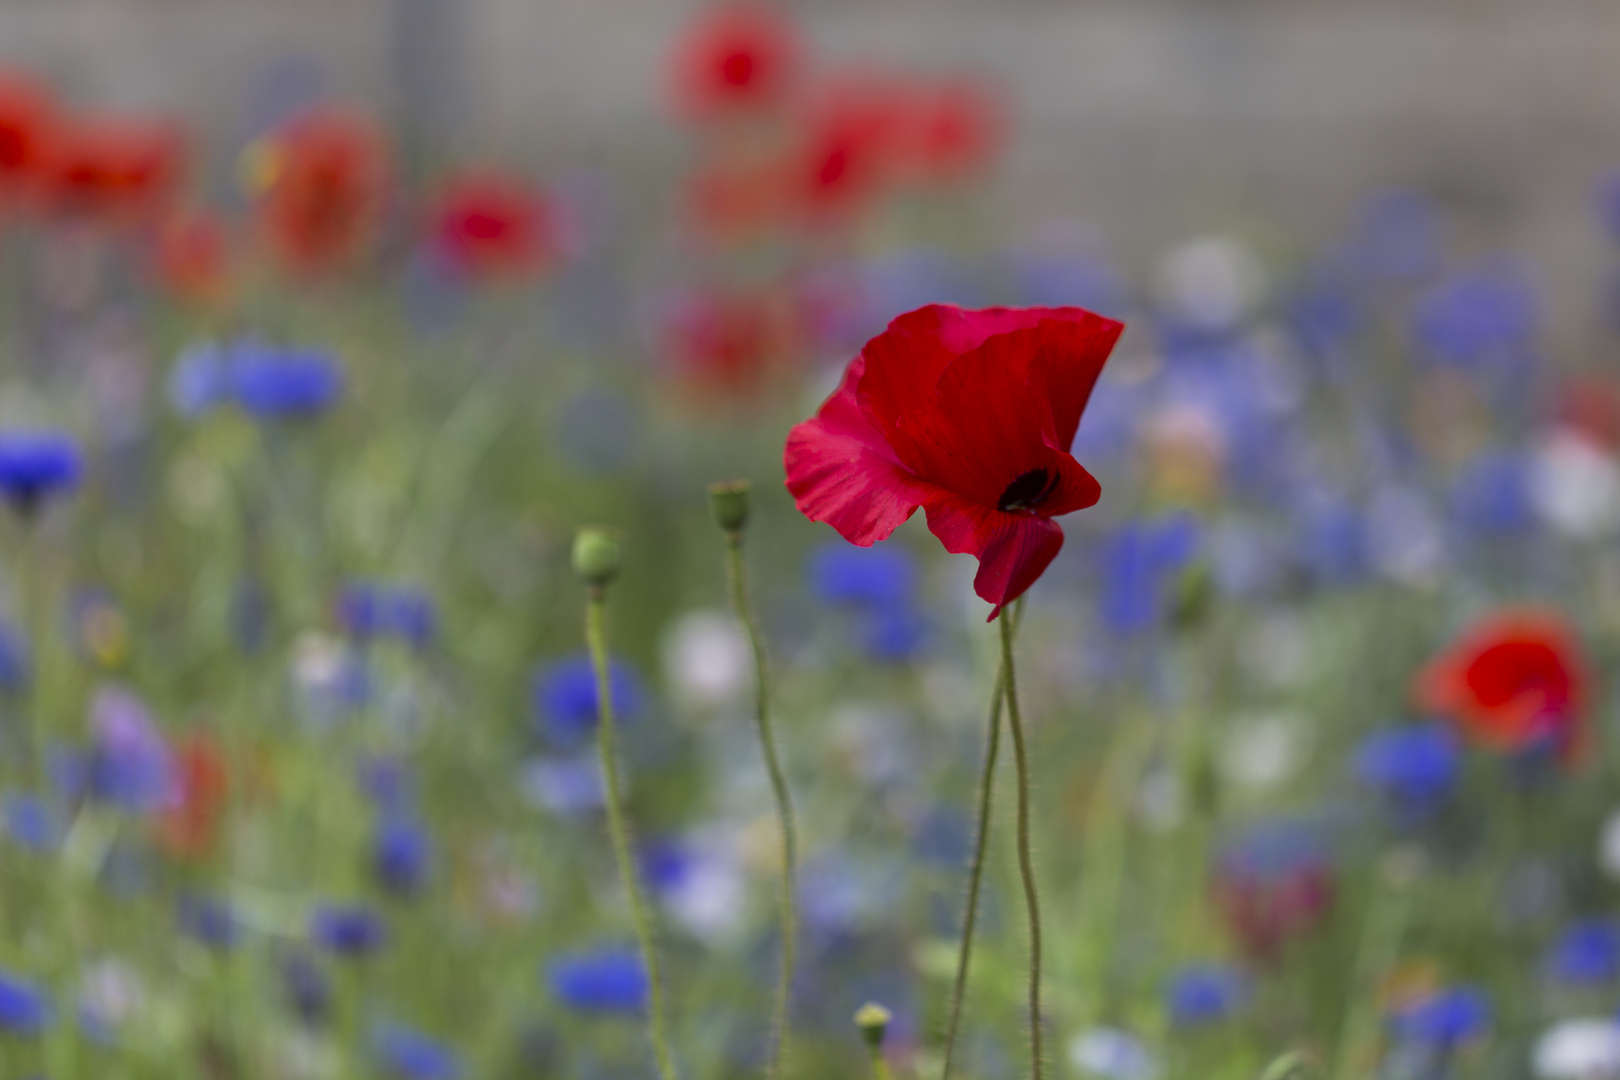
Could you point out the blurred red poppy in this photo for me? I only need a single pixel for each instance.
(1590, 405)
(727, 342)
(951, 129)
(25, 118)
(190, 827)
(847, 149)
(1513, 681)
(191, 256)
(737, 57)
(489, 225)
(969, 415)
(113, 171)
(1265, 911)
(319, 181)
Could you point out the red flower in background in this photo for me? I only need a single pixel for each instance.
(951, 129)
(1590, 405)
(1512, 681)
(319, 180)
(109, 171)
(191, 256)
(190, 827)
(727, 342)
(849, 147)
(969, 415)
(489, 224)
(739, 57)
(25, 118)
(1266, 911)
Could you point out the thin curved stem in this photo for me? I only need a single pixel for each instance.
(784, 804)
(987, 783)
(619, 829)
(1026, 863)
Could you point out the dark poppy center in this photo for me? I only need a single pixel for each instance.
(1028, 490)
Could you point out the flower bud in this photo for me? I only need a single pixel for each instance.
(728, 503)
(598, 554)
(873, 1020)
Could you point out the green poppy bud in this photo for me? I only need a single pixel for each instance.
(598, 554)
(873, 1020)
(728, 503)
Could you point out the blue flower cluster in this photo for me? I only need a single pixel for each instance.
(268, 382)
(878, 584)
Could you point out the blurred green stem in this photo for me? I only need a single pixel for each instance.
(880, 1067)
(987, 784)
(784, 804)
(1379, 946)
(1026, 862)
(596, 642)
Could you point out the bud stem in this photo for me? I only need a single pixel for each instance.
(1026, 862)
(618, 828)
(987, 783)
(784, 805)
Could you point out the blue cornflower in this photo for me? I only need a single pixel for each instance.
(388, 782)
(664, 863)
(25, 1009)
(1491, 494)
(565, 698)
(284, 384)
(32, 822)
(1489, 312)
(209, 920)
(16, 665)
(348, 931)
(1331, 537)
(1607, 200)
(895, 634)
(35, 465)
(880, 576)
(607, 980)
(410, 1055)
(130, 764)
(308, 989)
(199, 379)
(1585, 954)
(1415, 765)
(1206, 994)
(1445, 1018)
(371, 609)
(401, 856)
(1138, 559)
(1395, 236)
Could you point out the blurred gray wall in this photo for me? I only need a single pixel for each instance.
(1146, 118)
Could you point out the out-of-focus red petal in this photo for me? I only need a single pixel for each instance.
(1013, 549)
(840, 471)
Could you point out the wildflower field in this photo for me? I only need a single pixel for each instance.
(744, 619)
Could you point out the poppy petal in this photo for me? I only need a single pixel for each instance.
(1068, 359)
(1013, 549)
(840, 471)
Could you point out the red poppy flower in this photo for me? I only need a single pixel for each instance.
(1590, 405)
(25, 114)
(113, 171)
(951, 130)
(191, 257)
(320, 180)
(1266, 911)
(726, 342)
(969, 415)
(1513, 680)
(190, 826)
(850, 147)
(738, 57)
(488, 225)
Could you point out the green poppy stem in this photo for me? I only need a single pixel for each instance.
(1026, 862)
(779, 787)
(987, 783)
(618, 828)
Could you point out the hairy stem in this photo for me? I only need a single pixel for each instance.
(1026, 862)
(987, 783)
(784, 804)
(619, 829)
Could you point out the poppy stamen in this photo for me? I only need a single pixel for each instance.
(1028, 491)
